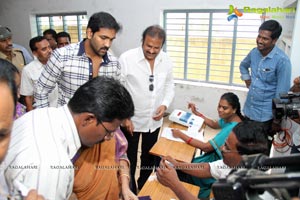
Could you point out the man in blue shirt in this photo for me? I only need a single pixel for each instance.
(266, 71)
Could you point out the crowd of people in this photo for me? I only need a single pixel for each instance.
(76, 112)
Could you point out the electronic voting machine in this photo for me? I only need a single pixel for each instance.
(185, 118)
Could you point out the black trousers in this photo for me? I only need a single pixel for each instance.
(148, 161)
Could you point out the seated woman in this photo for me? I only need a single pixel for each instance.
(229, 111)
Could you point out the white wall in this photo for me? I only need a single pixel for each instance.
(205, 96)
(135, 16)
(296, 46)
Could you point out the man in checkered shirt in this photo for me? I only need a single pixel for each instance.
(71, 66)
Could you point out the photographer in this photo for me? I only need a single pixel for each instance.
(296, 86)
(296, 89)
(295, 99)
(295, 148)
(246, 138)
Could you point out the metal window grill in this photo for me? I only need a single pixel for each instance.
(73, 23)
(206, 47)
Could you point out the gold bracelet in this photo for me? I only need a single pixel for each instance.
(125, 175)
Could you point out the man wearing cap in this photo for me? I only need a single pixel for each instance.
(7, 51)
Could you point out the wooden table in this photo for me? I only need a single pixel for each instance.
(157, 191)
(178, 150)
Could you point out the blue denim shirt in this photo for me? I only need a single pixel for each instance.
(270, 76)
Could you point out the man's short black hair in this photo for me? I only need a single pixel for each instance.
(103, 20)
(105, 97)
(63, 34)
(154, 31)
(252, 138)
(273, 26)
(50, 32)
(35, 40)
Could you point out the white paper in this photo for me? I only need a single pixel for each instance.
(191, 132)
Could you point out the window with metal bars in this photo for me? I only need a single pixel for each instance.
(73, 23)
(206, 47)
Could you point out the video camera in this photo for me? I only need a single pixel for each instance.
(287, 106)
(250, 180)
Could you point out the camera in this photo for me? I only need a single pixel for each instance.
(250, 181)
(287, 106)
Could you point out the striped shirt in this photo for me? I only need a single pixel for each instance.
(42, 144)
(70, 68)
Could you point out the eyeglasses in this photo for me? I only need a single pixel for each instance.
(151, 79)
(108, 132)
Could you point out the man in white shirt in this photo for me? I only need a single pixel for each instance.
(246, 138)
(41, 50)
(44, 141)
(147, 73)
(8, 99)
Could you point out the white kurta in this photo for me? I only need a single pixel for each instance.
(43, 142)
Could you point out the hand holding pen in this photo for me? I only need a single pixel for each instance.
(194, 109)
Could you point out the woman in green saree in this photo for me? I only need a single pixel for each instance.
(229, 111)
